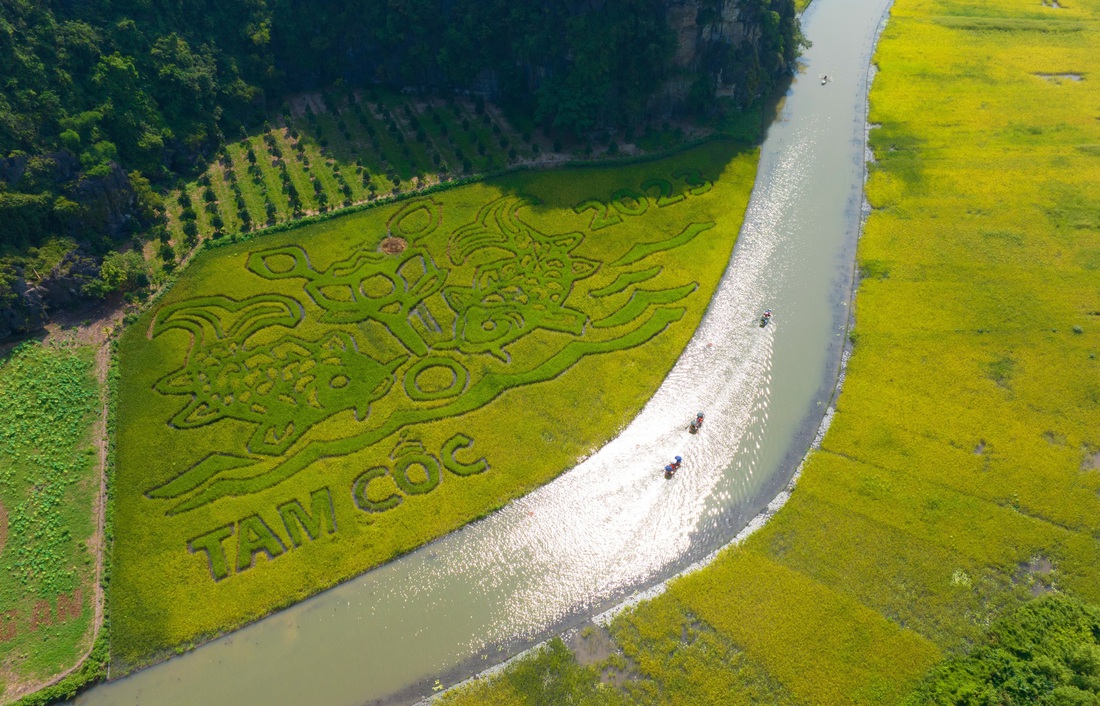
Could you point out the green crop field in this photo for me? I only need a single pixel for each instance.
(300, 407)
(48, 484)
(960, 476)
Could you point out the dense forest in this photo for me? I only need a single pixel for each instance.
(104, 103)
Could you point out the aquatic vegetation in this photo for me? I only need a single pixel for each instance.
(958, 478)
(305, 405)
(553, 676)
(48, 402)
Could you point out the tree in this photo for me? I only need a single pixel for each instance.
(119, 272)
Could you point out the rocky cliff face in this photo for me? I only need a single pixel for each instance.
(724, 48)
(99, 207)
(106, 204)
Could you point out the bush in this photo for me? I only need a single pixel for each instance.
(1047, 652)
(119, 272)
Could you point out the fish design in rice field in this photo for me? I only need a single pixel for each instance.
(510, 280)
(283, 387)
(521, 284)
(367, 286)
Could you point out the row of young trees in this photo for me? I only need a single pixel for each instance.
(386, 143)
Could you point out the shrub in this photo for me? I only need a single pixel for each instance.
(119, 272)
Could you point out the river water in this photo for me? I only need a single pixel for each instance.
(613, 525)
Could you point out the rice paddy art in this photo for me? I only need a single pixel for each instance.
(303, 406)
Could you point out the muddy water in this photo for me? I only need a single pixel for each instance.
(612, 525)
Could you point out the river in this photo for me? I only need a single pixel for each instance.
(612, 525)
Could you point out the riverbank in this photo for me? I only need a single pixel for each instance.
(958, 477)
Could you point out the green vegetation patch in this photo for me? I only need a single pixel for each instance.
(303, 406)
(48, 485)
(1046, 652)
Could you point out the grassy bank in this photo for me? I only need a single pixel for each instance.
(308, 404)
(960, 476)
(48, 486)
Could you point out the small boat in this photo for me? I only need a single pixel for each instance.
(696, 424)
(765, 318)
(824, 79)
(670, 469)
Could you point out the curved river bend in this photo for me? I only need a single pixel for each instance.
(612, 525)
